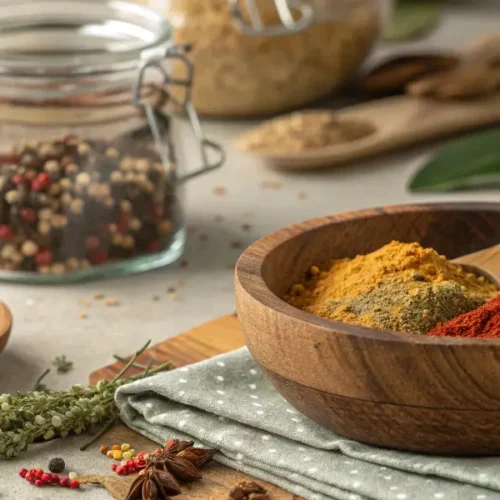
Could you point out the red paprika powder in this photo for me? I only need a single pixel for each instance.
(483, 322)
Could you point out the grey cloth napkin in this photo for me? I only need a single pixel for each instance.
(227, 403)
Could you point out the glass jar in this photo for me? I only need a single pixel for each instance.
(90, 164)
(249, 62)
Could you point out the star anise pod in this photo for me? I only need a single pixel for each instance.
(182, 460)
(153, 484)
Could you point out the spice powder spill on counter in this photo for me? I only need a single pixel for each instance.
(399, 287)
(301, 131)
(483, 322)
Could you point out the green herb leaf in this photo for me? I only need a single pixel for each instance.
(412, 18)
(62, 364)
(472, 161)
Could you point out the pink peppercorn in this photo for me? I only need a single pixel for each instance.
(39, 482)
(39, 473)
(64, 481)
(74, 484)
(120, 470)
(23, 472)
(46, 478)
(113, 467)
(55, 479)
(44, 258)
(6, 232)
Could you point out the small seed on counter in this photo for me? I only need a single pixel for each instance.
(236, 244)
(85, 303)
(219, 190)
(111, 302)
(302, 195)
(72, 264)
(135, 224)
(83, 315)
(116, 176)
(99, 296)
(246, 227)
(155, 298)
(276, 185)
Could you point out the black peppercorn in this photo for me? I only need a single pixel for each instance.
(56, 465)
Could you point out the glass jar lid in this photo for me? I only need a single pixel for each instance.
(61, 38)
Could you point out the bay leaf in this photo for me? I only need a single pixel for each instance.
(412, 18)
(473, 161)
(117, 486)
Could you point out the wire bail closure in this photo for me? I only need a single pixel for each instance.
(285, 10)
(158, 120)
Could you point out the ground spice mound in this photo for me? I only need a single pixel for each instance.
(411, 306)
(481, 323)
(303, 131)
(401, 286)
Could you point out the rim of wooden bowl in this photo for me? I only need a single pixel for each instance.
(248, 273)
(5, 325)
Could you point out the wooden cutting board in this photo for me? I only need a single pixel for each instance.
(216, 337)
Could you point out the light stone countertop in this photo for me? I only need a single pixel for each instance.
(46, 321)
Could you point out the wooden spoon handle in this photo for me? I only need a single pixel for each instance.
(487, 260)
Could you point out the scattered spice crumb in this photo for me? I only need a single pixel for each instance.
(171, 289)
(302, 195)
(84, 303)
(246, 227)
(247, 213)
(219, 190)
(276, 185)
(180, 282)
(236, 244)
(203, 237)
(191, 229)
(183, 263)
(172, 296)
(218, 218)
(99, 296)
(155, 298)
(83, 315)
(111, 302)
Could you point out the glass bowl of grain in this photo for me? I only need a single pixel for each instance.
(91, 165)
(262, 57)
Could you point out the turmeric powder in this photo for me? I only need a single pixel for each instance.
(400, 287)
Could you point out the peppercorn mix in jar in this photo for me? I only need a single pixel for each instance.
(90, 163)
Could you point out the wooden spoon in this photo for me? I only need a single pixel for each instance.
(398, 121)
(5, 325)
(484, 263)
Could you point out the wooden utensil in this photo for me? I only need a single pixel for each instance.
(403, 120)
(5, 325)
(417, 393)
(216, 337)
(398, 121)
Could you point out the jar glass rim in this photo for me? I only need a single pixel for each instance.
(63, 38)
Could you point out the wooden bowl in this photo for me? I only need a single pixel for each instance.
(426, 394)
(5, 325)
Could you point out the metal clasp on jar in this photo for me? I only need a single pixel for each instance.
(284, 8)
(156, 58)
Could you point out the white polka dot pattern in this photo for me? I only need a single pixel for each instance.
(227, 403)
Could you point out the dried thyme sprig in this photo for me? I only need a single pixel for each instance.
(31, 416)
(39, 385)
